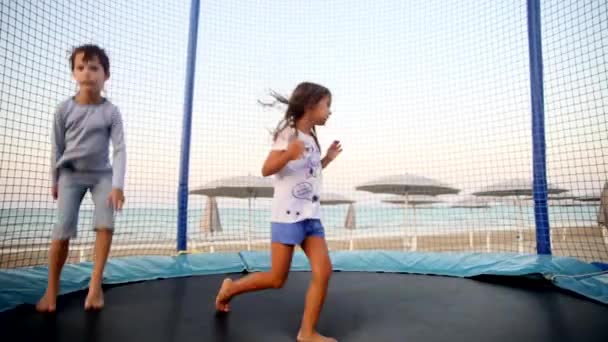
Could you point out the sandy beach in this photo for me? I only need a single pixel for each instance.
(585, 243)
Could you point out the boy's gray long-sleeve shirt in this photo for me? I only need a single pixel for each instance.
(81, 138)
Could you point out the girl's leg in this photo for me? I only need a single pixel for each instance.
(318, 256)
(281, 255)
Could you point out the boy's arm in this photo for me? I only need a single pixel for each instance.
(57, 145)
(119, 163)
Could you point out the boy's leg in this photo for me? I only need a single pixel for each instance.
(316, 250)
(58, 254)
(103, 242)
(70, 197)
(104, 226)
(281, 255)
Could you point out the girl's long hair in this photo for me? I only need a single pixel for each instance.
(305, 95)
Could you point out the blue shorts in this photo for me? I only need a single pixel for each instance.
(295, 233)
(72, 187)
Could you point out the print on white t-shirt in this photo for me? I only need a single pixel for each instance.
(297, 186)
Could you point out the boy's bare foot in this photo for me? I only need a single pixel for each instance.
(94, 300)
(314, 337)
(48, 303)
(222, 299)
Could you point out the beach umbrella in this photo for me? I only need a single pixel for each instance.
(249, 187)
(406, 185)
(414, 200)
(567, 203)
(517, 188)
(564, 196)
(330, 198)
(589, 198)
(471, 202)
(210, 222)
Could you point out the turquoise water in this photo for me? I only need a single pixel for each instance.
(22, 226)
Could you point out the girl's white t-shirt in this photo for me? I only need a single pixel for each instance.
(297, 186)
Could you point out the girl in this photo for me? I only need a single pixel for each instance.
(295, 160)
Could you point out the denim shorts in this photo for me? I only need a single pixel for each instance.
(295, 233)
(72, 187)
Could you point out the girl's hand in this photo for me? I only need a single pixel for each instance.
(295, 149)
(333, 151)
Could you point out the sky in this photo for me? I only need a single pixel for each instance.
(436, 88)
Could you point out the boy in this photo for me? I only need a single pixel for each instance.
(82, 129)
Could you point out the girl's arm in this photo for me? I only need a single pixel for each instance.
(277, 160)
(334, 150)
(325, 161)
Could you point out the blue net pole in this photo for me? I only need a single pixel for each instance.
(182, 215)
(541, 214)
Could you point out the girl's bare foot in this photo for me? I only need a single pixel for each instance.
(48, 303)
(222, 299)
(94, 300)
(314, 337)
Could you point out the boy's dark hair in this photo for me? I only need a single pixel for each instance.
(90, 51)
